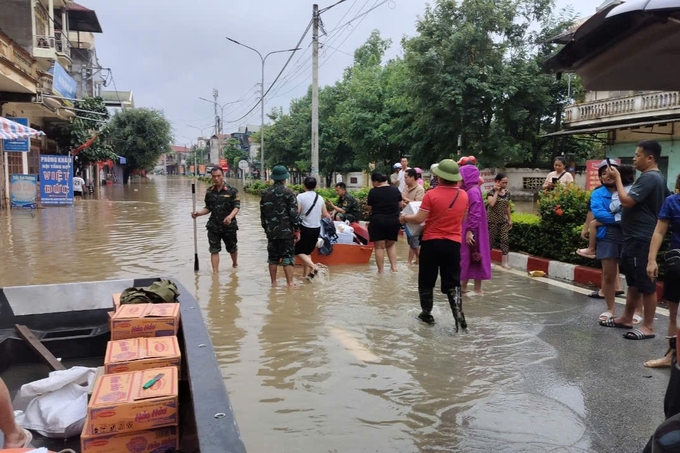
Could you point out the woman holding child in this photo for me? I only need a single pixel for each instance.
(606, 236)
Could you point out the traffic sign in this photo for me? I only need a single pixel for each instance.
(243, 164)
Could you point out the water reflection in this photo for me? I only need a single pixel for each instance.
(337, 366)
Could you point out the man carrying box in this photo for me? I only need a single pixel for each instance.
(412, 192)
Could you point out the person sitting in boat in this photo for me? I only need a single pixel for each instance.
(312, 209)
(347, 208)
(15, 436)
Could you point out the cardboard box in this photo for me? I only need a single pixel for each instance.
(413, 229)
(116, 301)
(137, 354)
(148, 441)
(120, 404)
(145, 320)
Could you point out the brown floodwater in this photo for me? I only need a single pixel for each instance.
(335, 366)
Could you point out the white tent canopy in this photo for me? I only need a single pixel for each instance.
(10, 130)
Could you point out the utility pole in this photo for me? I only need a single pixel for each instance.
(262, 178)
(217, 118)
(315, 92)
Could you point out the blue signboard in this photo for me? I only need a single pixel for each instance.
(56, 180)
(22, 189)
(22, 145)
(63, 84)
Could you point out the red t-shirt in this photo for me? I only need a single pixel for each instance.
(444, 222)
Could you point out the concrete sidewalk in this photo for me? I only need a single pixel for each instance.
(596, 373)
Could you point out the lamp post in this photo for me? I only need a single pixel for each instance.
(201, 130)
(221, 107)
(263, 59)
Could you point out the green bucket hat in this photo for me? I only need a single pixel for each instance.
(280, 173)
(448, 170)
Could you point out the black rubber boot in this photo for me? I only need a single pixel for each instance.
(426, 303)
(456, 303)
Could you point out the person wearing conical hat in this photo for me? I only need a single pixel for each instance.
(443, 210)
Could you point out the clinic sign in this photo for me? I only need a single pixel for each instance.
(22, 190)
(22, 145)
(56, 180)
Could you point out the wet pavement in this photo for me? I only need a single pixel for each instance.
(343, 365)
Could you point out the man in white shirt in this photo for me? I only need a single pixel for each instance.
(404, 167)
(78, 186)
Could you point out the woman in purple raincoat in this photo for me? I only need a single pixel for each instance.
(475, 251)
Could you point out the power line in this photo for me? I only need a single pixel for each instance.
(264, 94)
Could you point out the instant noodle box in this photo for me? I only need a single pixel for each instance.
(121, 404)
(145, 320)
(116, 301)
(147, 441)
(137, 354)
(414, 229)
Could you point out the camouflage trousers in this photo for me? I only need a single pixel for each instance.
(281, 252)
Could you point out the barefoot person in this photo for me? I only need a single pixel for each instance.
(222, 203)
(15, 436)
(412, 192)
(312, 209)
(669, 217)
(280, 220)
(383, 227)
(640, 210)
(444, 209)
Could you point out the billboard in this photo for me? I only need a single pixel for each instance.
(63, 84)
(56, 180)
(23, 191)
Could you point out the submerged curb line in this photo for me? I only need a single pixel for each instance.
(582, 275)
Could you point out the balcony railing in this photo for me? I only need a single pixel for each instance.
(639, 105)
(15, 54)
(63, 46)
(44, 42)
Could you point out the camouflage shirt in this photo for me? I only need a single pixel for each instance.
(350, 205)
(220, 204)
(279, 212)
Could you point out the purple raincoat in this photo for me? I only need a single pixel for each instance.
(477, 223)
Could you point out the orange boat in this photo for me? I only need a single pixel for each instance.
(347, 253)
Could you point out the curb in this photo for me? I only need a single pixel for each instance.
(572, 273)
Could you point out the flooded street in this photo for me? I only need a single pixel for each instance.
(344, 366)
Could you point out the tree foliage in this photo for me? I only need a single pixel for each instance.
(91, 119)
(141, 135)
(469, 82)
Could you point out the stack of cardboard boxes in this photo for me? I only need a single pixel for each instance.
(134, 403)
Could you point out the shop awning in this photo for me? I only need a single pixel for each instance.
(611, 127)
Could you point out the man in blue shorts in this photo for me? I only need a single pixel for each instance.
(641, 207)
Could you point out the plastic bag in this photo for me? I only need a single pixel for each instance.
(57, 405)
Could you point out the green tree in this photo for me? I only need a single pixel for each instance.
(475, 75)
(233, 152)
(141, 135)
(91, 120)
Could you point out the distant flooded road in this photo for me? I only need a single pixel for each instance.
(344, 366)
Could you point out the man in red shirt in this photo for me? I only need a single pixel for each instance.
(443, 209)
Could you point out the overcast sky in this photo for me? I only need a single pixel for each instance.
(171, 53)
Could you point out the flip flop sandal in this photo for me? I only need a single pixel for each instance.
(595, 295)
(620, 294)
(611, 323)
(606, 315)
(637, 319)
(585, 253)
(637, 334)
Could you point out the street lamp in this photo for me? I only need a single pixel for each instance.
(263, 59)
(221, 110)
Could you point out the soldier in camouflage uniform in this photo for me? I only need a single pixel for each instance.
(222, 203)
(348, 206)
(280, 220)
